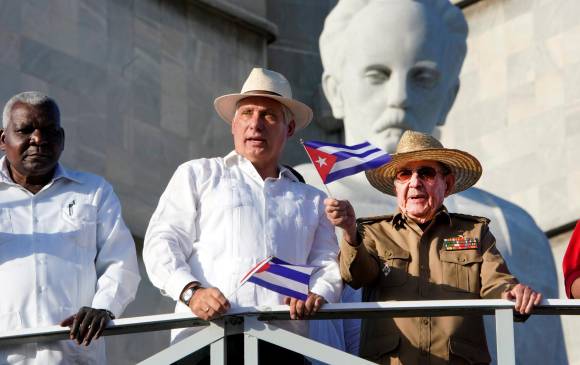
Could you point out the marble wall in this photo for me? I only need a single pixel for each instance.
(135, 81)
(518, 109)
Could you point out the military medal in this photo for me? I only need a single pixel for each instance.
(460, 243)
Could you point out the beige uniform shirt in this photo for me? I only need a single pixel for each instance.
(454, 258)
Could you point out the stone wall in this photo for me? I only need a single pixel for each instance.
(518, 109)
(135, 81)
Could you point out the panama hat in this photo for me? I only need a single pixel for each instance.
(416, 146)
(268, 84)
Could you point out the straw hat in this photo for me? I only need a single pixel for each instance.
(416, 146)
(268, 84)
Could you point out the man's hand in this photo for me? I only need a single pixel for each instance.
(209, 303)
(526, 298)
(87, 324)
(341, 214)
(300, 309)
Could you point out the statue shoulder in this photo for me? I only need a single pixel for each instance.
(470, 218)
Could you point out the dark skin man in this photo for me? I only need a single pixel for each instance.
(33, 141)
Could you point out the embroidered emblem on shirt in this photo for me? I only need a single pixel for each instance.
(460, 243)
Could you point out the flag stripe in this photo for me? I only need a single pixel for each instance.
(279, 289)
(256, 268)
(282, 281)
(337, 147)
(284, 271)
(342, 155)
(335, 175)
(277, 261)
(339, 165)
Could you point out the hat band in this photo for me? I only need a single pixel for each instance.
(261, 92)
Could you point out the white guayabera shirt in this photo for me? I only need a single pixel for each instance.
(217, 218)
(60, 249)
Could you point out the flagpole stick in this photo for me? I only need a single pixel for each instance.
(312, 162)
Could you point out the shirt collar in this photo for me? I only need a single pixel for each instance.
(59, 173)
(442, 216)
(234, 158)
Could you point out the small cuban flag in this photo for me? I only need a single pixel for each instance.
(281, 277)
(334, 161)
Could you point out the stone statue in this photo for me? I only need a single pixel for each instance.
(393, 65)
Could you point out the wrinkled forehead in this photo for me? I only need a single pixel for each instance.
(260, 102)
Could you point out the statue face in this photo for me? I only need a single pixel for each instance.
(394, 75)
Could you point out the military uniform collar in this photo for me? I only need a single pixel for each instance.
(441, 217)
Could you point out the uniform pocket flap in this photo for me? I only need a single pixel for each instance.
(461, 257)
(469, 351)
(376, 348)
(396, 253)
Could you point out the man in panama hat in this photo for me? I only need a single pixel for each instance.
(219, 217)
(424, 252)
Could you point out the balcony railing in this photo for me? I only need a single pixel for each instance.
(253, 322)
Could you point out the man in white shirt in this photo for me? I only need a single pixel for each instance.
(66, 255)
(218, 217)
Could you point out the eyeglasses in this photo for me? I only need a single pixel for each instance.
(424, 173)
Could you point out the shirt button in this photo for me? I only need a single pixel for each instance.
(462, 259)
(42, 288)
(425, 322)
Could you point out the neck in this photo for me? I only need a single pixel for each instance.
(266, 171)
(31, 183)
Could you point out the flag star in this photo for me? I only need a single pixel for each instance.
(321, 161)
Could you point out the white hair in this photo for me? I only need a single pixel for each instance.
(33, 98)
(333, 38)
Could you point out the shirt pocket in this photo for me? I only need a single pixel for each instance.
(82, 221)
(460, 270)
(394, 263)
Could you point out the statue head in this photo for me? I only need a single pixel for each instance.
(392, 66)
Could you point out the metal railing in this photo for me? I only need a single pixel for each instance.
(253, 322)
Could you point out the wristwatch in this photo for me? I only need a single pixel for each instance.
(187, 294)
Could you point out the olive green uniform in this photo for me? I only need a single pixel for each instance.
(453, 258)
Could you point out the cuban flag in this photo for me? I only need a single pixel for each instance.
(334, 161)
(281, 277)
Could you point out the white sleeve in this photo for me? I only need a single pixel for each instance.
(171, 233)
(326, 281)
(116, 261)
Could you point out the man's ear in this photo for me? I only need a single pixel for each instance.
(331, 88)
(448, 103)
(450, 184)
(291, 128)
(62, 136)
(2, 139)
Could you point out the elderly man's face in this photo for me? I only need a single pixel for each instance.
(260, 131)
(33, 140)
(421, 188)
(394, 75)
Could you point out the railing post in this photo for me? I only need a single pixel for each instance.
(504, 334)
(217, 352)
(250, 350)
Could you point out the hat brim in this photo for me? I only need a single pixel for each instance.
(466, 168)
(225, 106)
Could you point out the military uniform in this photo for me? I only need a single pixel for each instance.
(454, 257)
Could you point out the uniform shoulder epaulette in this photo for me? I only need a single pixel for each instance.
(378, 218)
(468, 217)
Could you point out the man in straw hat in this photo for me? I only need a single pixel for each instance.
(423, 252)
(219, 217)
